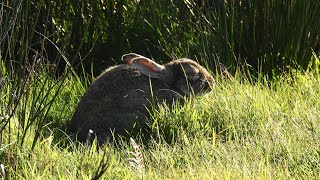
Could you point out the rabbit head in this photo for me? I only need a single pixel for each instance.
(183, 75)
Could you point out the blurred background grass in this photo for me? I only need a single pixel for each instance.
(271, 36)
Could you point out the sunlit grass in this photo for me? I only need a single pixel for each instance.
(240, 130)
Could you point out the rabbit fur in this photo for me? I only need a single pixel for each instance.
(118, 100)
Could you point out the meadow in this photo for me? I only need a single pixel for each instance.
(261, 120)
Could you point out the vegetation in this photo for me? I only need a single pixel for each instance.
(260, 121)
(271, 35)
(240, 130)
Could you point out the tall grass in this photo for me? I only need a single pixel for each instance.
(270, 35)
(28, 90)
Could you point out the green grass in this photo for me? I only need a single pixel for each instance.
(267, 129)
(252, 126)
(272, 35)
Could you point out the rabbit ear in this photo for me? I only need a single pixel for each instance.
(127, 58)
(148, 67)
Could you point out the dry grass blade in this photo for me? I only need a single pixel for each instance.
(136, 162)
(2, 173)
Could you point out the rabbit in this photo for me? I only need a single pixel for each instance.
(117, 101)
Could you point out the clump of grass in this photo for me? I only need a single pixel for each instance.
(232, 105)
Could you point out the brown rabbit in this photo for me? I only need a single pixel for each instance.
(118, 100)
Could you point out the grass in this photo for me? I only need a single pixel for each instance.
(262, 130)
(250, 126)
(269, 34)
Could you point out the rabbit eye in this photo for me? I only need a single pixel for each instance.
(204, 81)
